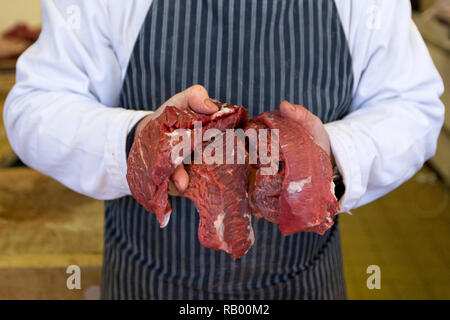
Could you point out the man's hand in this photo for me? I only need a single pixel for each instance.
(311, 123)
(196, 98)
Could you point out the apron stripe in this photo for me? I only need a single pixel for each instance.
(328, 53)
(251, 59)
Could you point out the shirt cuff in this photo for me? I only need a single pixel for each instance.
(130, 139)
(115, 153)
(346, 158)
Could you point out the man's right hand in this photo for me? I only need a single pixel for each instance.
(196, 98)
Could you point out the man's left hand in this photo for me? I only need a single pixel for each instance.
(311, 123)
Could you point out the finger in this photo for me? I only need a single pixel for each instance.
(193, 97)
(300, 115)
(180, 178)
(173, 190)
(295, 112)
(198, 100)
(311, 123)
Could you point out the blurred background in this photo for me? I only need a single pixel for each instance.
(45, 227)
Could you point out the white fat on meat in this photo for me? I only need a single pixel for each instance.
(218, 224)
(332, 186)
(224, 247)
(222, 112)
(332, 190)
(251, 236)
(328, 218)
(178, 132)
(178, 161)
(143, 158)
(166, 220)
(297, 186)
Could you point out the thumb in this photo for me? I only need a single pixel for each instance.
(295, 112)
(302, 116)
(195, 97)
(309, 122)
(180, 178)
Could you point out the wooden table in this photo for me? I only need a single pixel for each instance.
(44, 228)
(7, 155)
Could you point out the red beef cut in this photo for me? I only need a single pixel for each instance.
(219, 191)
(225, 223)
(300, 197)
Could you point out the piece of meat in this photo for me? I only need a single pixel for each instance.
(225, 222)
(21, 31)
(219, 192)
(264, 190)
(265, 195)
(300, 197)
(149, 162)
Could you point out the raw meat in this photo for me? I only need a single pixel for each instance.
(219, 191)
(300, 197)
(225, 223)
(149, 163)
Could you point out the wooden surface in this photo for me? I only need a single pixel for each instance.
(441, 160)
(439, 47)
(44, 228)
(7, 155)
(39, 215)
(48, 283)
(407, 234)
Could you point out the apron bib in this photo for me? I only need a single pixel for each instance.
(250, 53)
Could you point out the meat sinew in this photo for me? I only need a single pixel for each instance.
(225, 222)
(300, 196)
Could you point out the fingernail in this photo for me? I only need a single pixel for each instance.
(291, 106)
(210, 104)
(177, 185)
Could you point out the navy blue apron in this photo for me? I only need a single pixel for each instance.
(250, 53)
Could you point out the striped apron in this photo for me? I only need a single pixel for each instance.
(250, 53)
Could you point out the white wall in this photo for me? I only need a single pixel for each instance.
(13, 11)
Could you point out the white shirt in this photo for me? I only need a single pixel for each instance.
(59, 119)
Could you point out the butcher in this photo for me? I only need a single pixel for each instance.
(355, 74)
